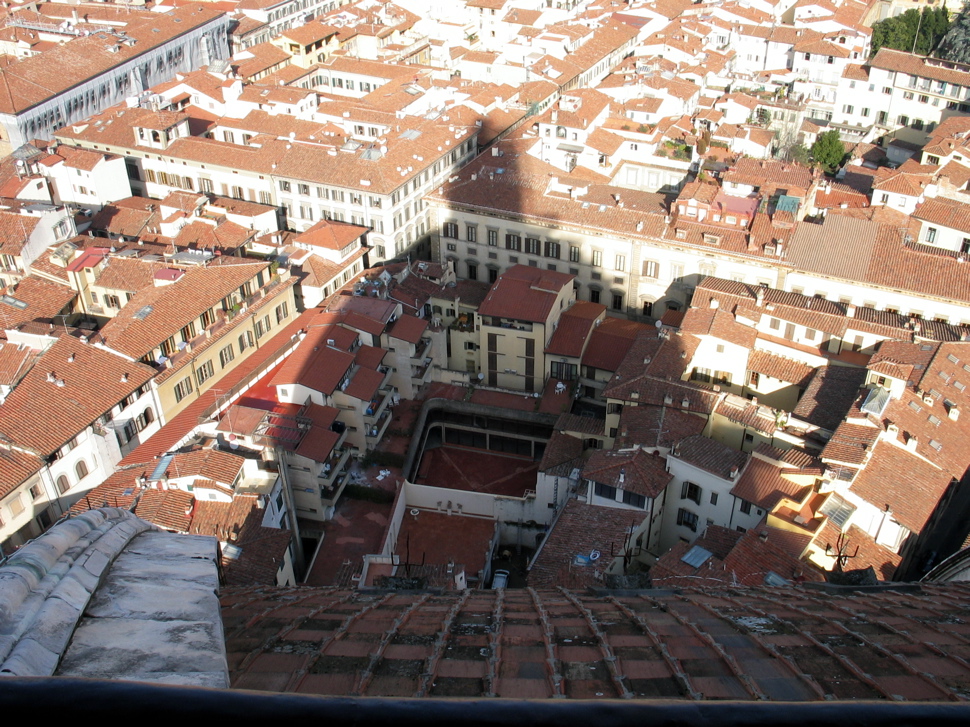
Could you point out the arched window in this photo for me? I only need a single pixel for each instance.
(144, 419)
(81, 469)
(63, 484)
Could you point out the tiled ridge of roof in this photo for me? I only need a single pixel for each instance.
(790, 644)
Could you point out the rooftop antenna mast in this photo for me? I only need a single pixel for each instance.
(841, 552)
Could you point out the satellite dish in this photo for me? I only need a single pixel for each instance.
(658, 324)
(594, 555)
(480, 376)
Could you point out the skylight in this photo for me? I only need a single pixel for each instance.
(696, 556)
(837, 510)
(15, 302)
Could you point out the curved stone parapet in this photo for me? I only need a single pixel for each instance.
(46, 585)
(107, 595)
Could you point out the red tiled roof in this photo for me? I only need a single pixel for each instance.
(779, 367)
(610, 342)
(908, 485)
(256, 364)
(316, 364)
(862, 550)
(767, 642)
(69, 388)
(572, 332)
(770, 174)
(638, 472)
(830, 393)
(851, 444)
(240, 523)
(14, 362)
(656, 426)
(170, 509)
(562, 454)
(369, 357)
(44, 300)
(330, 235)
(737, 559)
(173, 306)
(945, 212)
(408, 328)
(524, 293)
(16, 467)
(710, 455)
(363, 384)
(579, 530)
(762, 484)
(719, 324)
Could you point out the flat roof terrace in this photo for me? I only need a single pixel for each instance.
(437, 538)
(476, 470)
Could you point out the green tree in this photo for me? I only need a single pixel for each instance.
(911, 32)
(955, 45)
(828, 150)
(799, 153)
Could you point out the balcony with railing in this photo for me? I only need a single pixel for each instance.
(185, 348)
(421, 373)
(332, 473)
(386, 370)
(377, 406)
(420, 349)
(464, 323)
(511, 323)
(375, 431)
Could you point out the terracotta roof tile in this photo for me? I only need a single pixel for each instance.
(656, 426)
(908, 485)
(579, 530)
(775, 643)
(573, 330)
(173, 306)
(610, 342)
(563, 453)
(524, 293)
(639, 472)
(779, 367)
(240, 524)
(851, 444)
(330, 235)
(946, 212)
(31, 81)
(711, 456)
(16, 467)
(408, 328)
(43, 414)
(830, 393)
(762, 484)
(44, 300)
(719, 324)
(315, 363)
